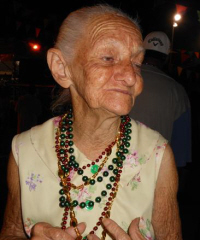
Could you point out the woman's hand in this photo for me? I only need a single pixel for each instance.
(118, 233)
(42, 231)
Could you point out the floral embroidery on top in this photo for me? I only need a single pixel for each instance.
(134, 181)
(81, 195)
(133, 160)
(158, 148)
(145, 227)
(32, 181)
(56, 121)
(29, 223)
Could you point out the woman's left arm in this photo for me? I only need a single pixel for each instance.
(165, 219)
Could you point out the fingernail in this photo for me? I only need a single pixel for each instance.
(105, 220)
(89, 237)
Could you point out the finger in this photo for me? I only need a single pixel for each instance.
(114, 230)
(55, 233)
(81, 228)
(92, 237)
(134, 231)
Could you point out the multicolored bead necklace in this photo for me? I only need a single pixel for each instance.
(67, 163)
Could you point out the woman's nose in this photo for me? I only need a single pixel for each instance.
(126, 74)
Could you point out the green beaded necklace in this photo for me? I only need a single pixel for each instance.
(67, 163)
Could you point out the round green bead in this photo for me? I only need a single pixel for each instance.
(72, 157)
(99, 179)
(94, 168)
(114, 160)
(127, 144)
(70, 129)
(62, 143)
(63, 167)
(98, 199)
(76, 165)
(112, 178)
(61, 192)
(70, 163)
(85, 178)
(62, 199)
(62, 151)
(67, 204)
(89, 205)
(92, 181)
(63, 129)
(71, 150)
(82, 205)
(122, 157)
(70, 136)
(119, 164)
(105, 173)
(62, 136)
(118, 154)
(66, 170)
(70, 122)
(75, 203)
(115, 171)
(128, 138)
(103, 193)
(80, 172)
(126, 150)
(121, 147)
(129, 131)
(71, 143)
(108, 186)
(62, 204)
(110, 167)
(69, 115)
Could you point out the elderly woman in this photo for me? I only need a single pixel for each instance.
(93, 171)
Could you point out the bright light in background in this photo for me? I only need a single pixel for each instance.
(175, 24)
(34, 46)
(177, 17)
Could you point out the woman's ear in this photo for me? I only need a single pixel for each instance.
(58, 67)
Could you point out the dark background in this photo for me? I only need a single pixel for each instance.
(21, 19)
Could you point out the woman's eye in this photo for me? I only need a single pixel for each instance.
(108, 59)
(137, 66)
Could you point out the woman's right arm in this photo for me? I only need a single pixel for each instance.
(13, 226)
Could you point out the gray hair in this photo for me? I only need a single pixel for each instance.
(73, 27)
(71, 32)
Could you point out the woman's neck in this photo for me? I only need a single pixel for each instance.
(94, 131)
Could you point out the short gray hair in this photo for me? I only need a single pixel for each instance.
(73, 27)
(71, 31)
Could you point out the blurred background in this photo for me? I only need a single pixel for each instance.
(28, 29)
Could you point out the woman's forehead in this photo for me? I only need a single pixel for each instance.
(109, 22)
(111, 26)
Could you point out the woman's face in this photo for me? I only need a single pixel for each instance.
(106, 71)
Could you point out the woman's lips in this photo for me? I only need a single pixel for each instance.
(121, 91)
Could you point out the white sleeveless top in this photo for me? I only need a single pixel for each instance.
(34, 152)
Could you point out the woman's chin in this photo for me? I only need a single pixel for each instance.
(120, 111)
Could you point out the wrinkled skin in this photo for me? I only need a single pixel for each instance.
(106, 75)
(104, 80)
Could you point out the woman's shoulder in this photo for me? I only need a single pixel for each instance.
(42, 131)
(144, 137)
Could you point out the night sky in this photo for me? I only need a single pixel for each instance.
(152, 15)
